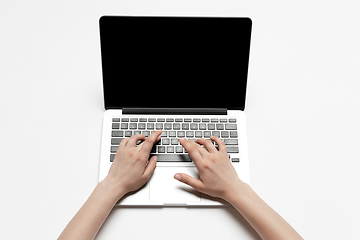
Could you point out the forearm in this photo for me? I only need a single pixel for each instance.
(266, 222)
(88, 220)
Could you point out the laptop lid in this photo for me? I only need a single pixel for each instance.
(158, 62)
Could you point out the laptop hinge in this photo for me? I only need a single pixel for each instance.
(182, 111)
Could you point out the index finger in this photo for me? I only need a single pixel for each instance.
(147, 145)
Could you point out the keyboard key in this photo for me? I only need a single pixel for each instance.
(172, 133)
(172, 157)
(128, 133)
(231, 141)
(112, 157)
(235, 159)
(178, 119)
(220, 126)
(214, 120)
(215, 133)
(134, 119)
(187, 120)
(185, 126)
(141, 125)
(211, 126)
(189, 134)
(146, 133)
(164, 133)
(176, 126)
(161, 149)
(116, 119)
(232, 149)
(168, 126)
(205, 120)
(165, 141)
(125, 119)
(174, 141)
(114, 149)
(202, 126)
(169, 120)
(117, 133)
(179, 149)
(133, 126)
(161, 119)
(124, 125)
(150, 126)
(181, 133)
(169, 149)
(115, 126)
(232, 120)
(224, 134)
(116, 141)
(223, 120)
(152, 120)
(198, 134)
(143, 119)
(230, 126)
(207, 134)
(193, 126)
(196, 120)
(233, 134)
(159, 126)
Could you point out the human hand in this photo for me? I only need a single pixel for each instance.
(131, 169)
(218, 177)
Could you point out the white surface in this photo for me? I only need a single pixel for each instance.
(302, 117)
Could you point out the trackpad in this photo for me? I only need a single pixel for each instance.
(164, 188)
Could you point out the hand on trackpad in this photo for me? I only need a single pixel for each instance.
(164, 188)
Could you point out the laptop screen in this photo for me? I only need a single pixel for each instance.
(175, 62)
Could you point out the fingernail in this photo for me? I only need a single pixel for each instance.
(155, 158)
(177, 177)
(180, 139)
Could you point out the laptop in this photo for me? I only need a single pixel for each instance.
(184, 75)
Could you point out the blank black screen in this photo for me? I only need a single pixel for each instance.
(175, 62)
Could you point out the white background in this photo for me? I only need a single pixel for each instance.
(302, 114)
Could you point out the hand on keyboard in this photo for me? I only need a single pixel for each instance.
(130, 169)
(218, 177)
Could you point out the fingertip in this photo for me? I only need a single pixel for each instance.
(177, 177)
(213, 138)
(153, 160)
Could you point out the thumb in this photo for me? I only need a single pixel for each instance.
(192, 182)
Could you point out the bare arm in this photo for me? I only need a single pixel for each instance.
(129, 171)
(218, 178)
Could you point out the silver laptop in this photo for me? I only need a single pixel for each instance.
(184, 75)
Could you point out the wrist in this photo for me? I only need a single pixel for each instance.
(109, 191)
(239, 191)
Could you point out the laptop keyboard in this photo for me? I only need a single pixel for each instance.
(168, 149)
